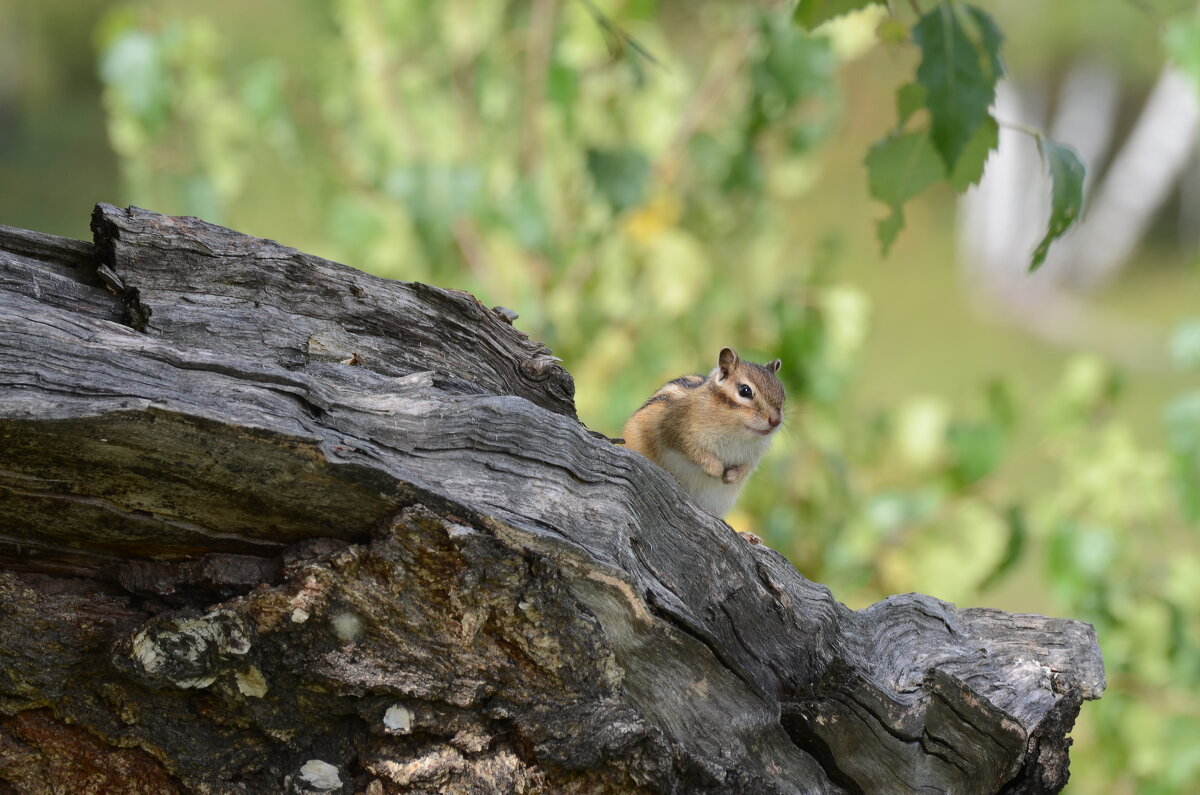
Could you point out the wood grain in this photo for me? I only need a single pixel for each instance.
(224, 546)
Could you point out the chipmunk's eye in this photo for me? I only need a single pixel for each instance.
(745, 391)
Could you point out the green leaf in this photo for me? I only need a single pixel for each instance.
(134, 70)
(1185, 345)
(1018, 531)
(811, 13)
(1066, 194)
(959, 72)
(970, 165)
(910, 98)
(975, 451)
(901, 166)
(898, 168)
(745, 171)
(990, 39)
(889, 228)
(620, 175)
(1182, 40)
(562, 87)
(791, 65)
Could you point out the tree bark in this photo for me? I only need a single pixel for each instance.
(269, 524)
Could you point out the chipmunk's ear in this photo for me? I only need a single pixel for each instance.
(727, 361)
(774, 365)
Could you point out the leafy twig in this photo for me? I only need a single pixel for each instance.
(1017, 126)
(614, 34)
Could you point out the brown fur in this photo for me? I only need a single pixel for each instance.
(707, 421)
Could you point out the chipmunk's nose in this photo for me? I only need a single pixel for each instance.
(775, 419)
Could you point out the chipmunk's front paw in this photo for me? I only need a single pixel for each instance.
(733, 474)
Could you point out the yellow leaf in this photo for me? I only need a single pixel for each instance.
(647, 223)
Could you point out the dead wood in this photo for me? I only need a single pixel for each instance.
(271, 524)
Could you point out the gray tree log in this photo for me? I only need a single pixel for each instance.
(269, 524)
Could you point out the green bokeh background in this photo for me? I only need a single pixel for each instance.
(642, 209)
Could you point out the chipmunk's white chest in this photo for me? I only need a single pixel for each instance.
(742, 448)
(712, 494)
(709, 493)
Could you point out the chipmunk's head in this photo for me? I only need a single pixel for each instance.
(752, 392)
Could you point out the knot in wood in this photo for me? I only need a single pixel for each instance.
(539, 367)
(509, 316)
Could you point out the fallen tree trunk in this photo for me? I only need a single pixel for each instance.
(271, 524)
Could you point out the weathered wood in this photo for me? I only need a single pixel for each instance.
(54, 271)
(231, 294)
(245, 565)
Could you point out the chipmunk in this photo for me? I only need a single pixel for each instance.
(710, 431)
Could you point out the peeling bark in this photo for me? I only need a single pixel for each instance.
(270, 524)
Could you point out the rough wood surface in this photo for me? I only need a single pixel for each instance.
(230, 561)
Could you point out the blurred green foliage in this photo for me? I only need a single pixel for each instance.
(623, 179)
(52, 143)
